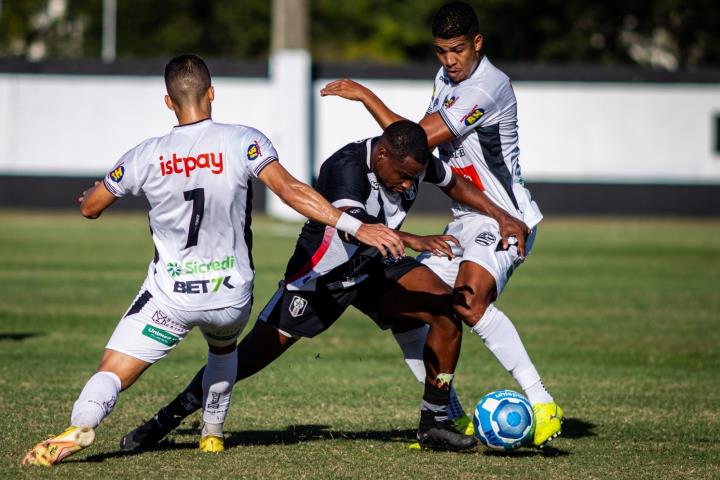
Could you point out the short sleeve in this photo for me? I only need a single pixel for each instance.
(437, 172)
(258, 150)
(344, 183)
(123, 177)
(467, 109)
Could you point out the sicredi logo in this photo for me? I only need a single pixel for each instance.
(186, 165)
(192, 266)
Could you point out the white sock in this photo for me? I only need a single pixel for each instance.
(412, 344)
(96, 400)
(500, 336)
(218, 381)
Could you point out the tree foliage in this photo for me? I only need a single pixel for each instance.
(666, 34)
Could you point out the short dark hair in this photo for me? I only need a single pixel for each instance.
(406, 139)
(455, 19)
(187, 78)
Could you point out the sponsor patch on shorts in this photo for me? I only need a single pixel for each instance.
(485, 239)
(160, 335)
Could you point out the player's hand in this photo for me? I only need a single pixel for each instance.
(88, 192)
(377, 235)
(344, 88)
(513, 232)
(438, 245)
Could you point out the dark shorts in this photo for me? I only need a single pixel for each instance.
(309, 313)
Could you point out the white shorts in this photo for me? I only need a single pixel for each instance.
(479, 238)
(149, 330)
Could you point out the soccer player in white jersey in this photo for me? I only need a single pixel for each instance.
(197, 180)
(472, 119)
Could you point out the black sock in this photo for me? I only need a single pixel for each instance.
(434, 405)
(189, 401)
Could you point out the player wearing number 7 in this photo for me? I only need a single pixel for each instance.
(472, 119)
(197, 180)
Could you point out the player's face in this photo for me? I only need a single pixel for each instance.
(397, 175)
(458, 55)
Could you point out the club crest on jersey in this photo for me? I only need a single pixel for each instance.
(485, 239)
(473, 116)
(450, 101)
(186, 165)
(117, 174)
(253, 151)
(297, 306)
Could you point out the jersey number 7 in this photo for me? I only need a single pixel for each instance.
(197, 196)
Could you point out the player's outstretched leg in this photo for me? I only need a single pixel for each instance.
(421, 296)
(258, 349)
(474, 292)
(96, 401)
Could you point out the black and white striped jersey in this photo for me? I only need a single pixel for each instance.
(346, 180)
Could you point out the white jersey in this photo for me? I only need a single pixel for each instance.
(197, 182)
(481, 112)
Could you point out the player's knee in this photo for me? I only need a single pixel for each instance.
(468, 308)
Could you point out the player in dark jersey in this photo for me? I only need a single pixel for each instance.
(374, 180)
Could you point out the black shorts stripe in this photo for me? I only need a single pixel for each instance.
(141, 301)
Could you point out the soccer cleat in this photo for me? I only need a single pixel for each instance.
(212, 444)
(51, 451)
(146, 435)
(443, 436)
(548, 422)
(464, 425)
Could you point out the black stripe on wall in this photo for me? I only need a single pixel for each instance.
(553, 198)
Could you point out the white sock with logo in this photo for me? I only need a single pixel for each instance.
(218, 381)
(501, 337)
(96, 400)
(412, 344)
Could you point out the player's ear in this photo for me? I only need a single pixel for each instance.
(211, 93)
(169, 102)
(478, 42)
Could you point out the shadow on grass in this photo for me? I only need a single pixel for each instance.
(293, 434)
(577, 428)
(306, 433)
(18, 337)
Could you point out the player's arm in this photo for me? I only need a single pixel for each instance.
(95, 200)
(435, 244)
(463, 191)
(309, 203)
(433, 124)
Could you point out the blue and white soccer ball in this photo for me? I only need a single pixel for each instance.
(503, 420)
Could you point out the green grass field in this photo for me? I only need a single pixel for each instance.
(620, 316)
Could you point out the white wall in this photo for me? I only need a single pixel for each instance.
(574, 132)
(80, 125)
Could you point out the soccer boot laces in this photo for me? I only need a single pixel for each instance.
(212, 444)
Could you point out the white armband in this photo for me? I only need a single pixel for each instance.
(348, 223)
